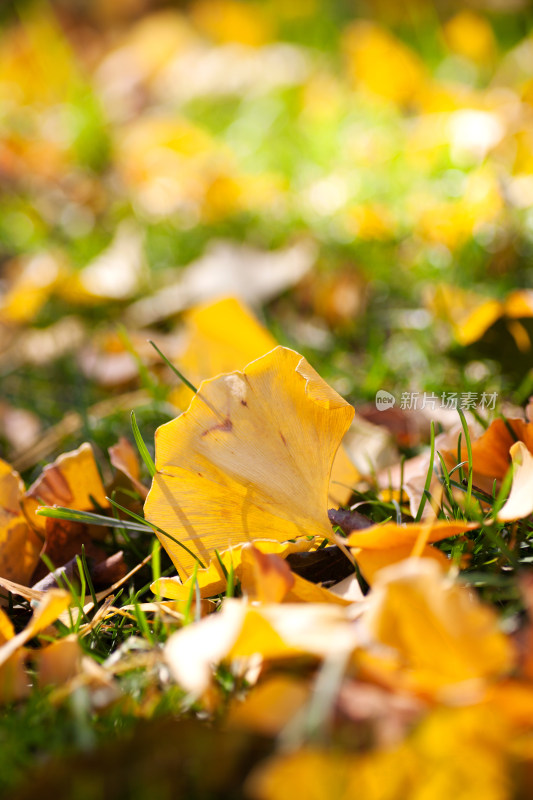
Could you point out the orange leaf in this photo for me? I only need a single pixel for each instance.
(381, 545)
(72, 480)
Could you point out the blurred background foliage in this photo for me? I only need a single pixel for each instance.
(358, 172)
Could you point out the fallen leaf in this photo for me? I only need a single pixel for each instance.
(453, 752)
(64, 540)
(249, 459)
(219, 337)
(323, 565)
(370, 447)
(270, 631)
(124, 458)
(52, 604)
(344, 477)
(102, 573)
(212, 580)
(381, 545)
(223, 336)
(227, 269)
(19, 544)
(19, 427)
(348, 589)
(491, 451)
(470, 35)
(519, 504)
(380, 63)
(267, 578)
(59, 662)
(440, 631)
(270, 705)
(471, 315)
(386, 715)
(72, 480)
(117, 273)
(35, 279)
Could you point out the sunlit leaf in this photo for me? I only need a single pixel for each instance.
(457, 752)
(72, 481)
(241, 631)
(250, 458)
(520, 501)
(59, 661)
(440, 631)
(270, 706)
(19, 545)
(389, 543)
(212, 580)
(124, 458)
(220, 337)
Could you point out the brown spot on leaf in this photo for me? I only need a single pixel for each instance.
(283, 439)
(226, 427)
(244, 403)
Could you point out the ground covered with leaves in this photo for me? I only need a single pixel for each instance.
(266, 487)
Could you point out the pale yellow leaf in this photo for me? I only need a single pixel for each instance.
(441, 632)
(520, 501)
(250, 458)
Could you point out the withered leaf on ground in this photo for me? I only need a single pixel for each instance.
(250, 458)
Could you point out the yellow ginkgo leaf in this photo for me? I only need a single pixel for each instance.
(268, 578)
(344, 476)
(270, 705)
(381, 545)
(72, 480)
(212, 580)
(250, 459)
(51, 606)
(7, 630)
(224, 336)
(470, 314)
(220, 337)
(491, 451)
(457, 753)
(19, 545)
(520, 501)
(440, 631)
(59, 662)
(231, 21)
(14, 682)
(271, 631)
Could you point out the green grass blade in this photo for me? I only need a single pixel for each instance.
(143, 450)
(87, 517)
(156, 528)
(469, 452)
(87, 575)
(192, 591)
(174, 369)
(428, 476)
